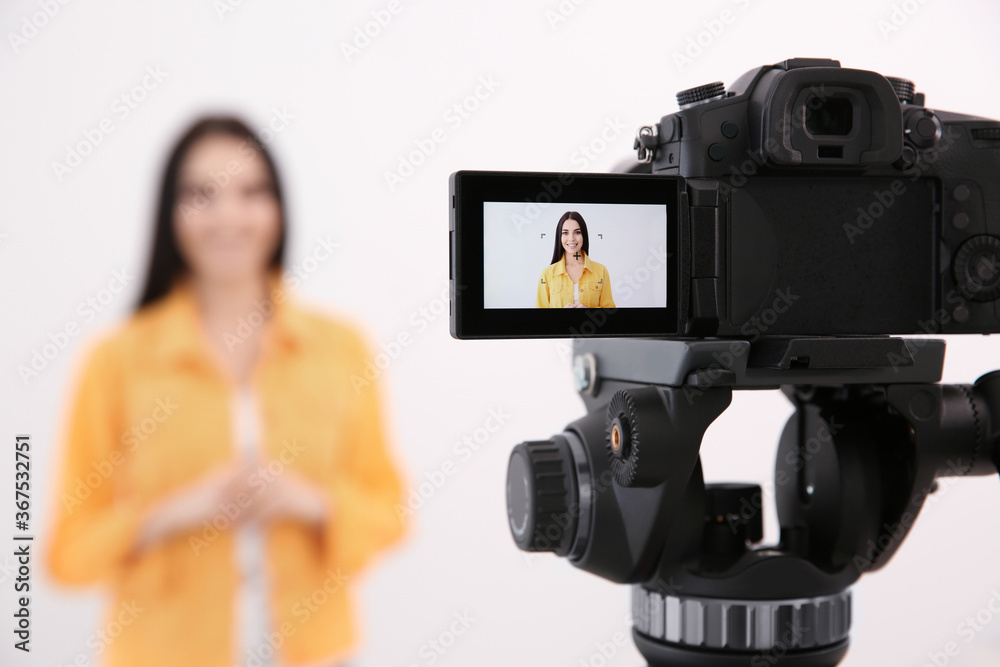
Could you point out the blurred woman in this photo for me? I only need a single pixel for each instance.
(224, 466)
(572, 279)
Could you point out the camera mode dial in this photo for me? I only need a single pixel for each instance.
(699, 94)
(904, 88)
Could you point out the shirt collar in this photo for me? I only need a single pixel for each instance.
(561, 264)
(181, 335)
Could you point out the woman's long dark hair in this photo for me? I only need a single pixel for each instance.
(166, 263)
(557, 253)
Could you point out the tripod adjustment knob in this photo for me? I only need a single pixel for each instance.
(542, 496)
(635, 435)
(987, 391)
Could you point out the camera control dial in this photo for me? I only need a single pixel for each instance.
(700, 94)
(904, 88)
(977, 268)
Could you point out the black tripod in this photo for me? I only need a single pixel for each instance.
(621, 493)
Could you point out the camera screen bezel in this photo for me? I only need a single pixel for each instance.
(471, 189)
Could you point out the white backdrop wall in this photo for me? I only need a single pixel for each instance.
(366, 130)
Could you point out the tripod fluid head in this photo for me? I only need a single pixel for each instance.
(621, 494)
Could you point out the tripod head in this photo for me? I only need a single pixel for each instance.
(620, 492)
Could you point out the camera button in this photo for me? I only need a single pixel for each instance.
(923, 128)
(926, 128)
(730, 129)
(717, 152)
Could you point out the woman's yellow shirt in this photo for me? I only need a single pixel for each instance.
(151, 413)
(555, 287)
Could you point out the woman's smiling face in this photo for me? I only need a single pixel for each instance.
(572, 237)
(227, 218)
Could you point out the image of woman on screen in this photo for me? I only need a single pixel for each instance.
(573, 279)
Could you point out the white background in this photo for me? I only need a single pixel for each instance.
(517, 248)
(555, 87)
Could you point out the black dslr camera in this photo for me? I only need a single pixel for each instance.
(832, 194)
(778, 234)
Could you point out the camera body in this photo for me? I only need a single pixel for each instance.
(805, 200)
(821, 200)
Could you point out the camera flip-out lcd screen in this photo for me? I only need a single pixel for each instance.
(563, 255)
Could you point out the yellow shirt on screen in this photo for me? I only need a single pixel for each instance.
(151, 414)
(555, 287)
